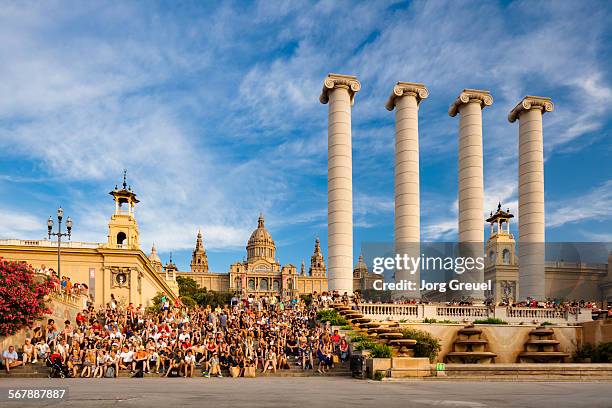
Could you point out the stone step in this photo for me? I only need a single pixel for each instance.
(293, 371)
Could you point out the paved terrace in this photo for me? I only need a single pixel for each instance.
(313, 392)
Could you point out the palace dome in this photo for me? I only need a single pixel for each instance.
(153, 256)
(261, 244)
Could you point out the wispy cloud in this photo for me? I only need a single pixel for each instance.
(214, 108)
(590, 205)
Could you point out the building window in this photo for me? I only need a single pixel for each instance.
(252, 284)
(121, 237)
(506, 256)
(263, 284)
(276, 285)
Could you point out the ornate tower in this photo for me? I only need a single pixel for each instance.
(361, 269)
(501, 262)
(170, 268)
(122, 227)
(317, 262)
(501, 249)
(199, 260)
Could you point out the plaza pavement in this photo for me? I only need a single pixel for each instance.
(312, 392)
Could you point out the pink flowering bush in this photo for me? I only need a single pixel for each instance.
(22, 296)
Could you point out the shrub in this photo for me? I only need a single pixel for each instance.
(490, 320)
(359, 338)
(601, 353)
(583, 352)
(428, 320)
(379, 375)
(546, 324)
(427, 345)
(365, 345)
(22, 296)
(381, 351)
(332, 316)
(346, 328)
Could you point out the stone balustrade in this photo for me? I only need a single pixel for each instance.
(462, 314)
(48, 243)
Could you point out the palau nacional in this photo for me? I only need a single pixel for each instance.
(121, 268)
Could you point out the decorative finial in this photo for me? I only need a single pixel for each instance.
(124, 178)
(499, 206)
(260, 221)
(170, 257)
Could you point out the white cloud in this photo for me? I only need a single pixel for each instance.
(594, 204)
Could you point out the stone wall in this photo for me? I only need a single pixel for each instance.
(61, 310)
(597, 331)
(504, 340)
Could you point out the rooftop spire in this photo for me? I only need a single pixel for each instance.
(124, 178)
(260, 221)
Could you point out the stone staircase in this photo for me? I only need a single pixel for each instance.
(340, 370)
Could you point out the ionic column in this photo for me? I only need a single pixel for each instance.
(471, 185)
(339, 91)
(531, 195)
(406, 97)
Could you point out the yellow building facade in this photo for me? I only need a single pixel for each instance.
(116, 269)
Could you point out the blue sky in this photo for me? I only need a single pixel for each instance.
(214, 111)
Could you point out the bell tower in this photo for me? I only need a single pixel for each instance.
(122, 227)
(199, 260)
(501, 246)
(317, 262)
(501, 262)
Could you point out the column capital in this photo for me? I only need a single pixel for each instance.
(339, 81)
(484, 98)
(531, 102)
(419, 91)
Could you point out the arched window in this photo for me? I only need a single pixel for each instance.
(491, 256)
(506, 256)
(238, 283)
(121, 238)
(289, 284)
(263, 284)
(252, 284)
(276, 285)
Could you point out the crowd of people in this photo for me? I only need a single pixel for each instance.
(63, 283)
(249, 335)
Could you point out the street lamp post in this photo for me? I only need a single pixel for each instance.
(59, 234)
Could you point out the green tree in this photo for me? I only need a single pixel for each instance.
(187, 286)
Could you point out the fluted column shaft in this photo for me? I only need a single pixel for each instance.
(469, 105)
(471, 176)
(406, 97)
(339, 91)
(531, 195)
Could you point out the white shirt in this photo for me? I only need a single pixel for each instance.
(127, 356)
(10, 356)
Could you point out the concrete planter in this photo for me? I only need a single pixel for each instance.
(377, 364)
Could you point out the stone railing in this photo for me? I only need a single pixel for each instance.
(401, 311)
(78, 301)
(47, 243)
(464, 314)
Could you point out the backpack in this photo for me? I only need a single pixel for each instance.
(110, 372)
